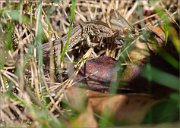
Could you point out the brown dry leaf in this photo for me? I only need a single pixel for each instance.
(96, 94)
(124, 108)
(86, 119)
(159, 36)
(76, 98)
(158, 31)
(131, 72)
(140, 55)
(141, 51)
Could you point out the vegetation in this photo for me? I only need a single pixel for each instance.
(38, 90)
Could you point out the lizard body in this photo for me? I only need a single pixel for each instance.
(79, 33)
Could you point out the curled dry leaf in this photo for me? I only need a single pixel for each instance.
(158, 31)
(98, 73)
(159, 37)
(122, 108)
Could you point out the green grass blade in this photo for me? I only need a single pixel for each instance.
(161, 77)
(70, 30)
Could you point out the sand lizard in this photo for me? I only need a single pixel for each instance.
(79, 33)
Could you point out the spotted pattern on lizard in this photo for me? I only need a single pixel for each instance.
(80, 33)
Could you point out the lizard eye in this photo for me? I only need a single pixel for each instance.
(101, 30)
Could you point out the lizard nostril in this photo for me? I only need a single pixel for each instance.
(119, 41)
